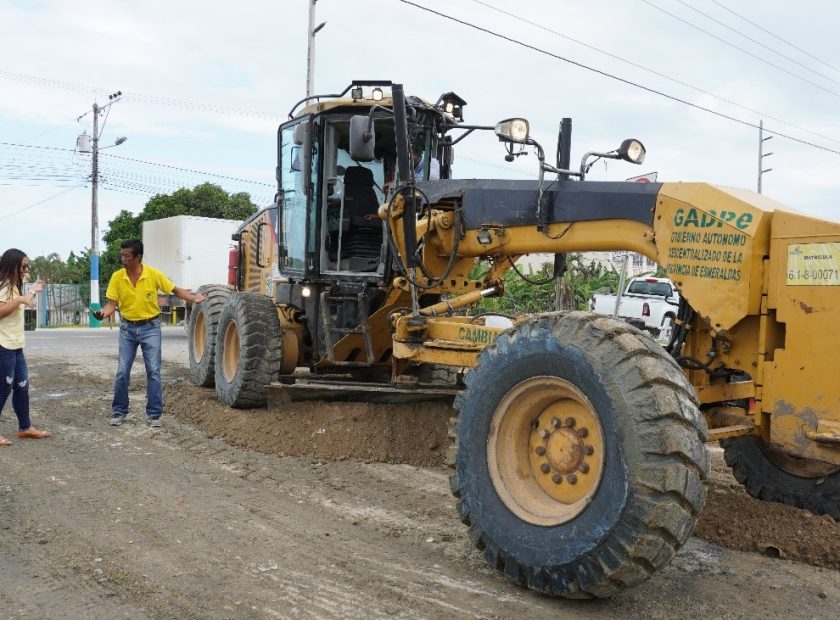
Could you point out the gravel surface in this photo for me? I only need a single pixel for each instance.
(319, 510)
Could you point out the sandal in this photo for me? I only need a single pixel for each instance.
(4, 441)
(33, 433)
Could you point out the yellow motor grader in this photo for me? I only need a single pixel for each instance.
(580, 462)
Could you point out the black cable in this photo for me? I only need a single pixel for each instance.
(653, 72)
(738, 15)
(524, 277)
(401, 266)
(692, 363)
(757, 42)
(615, 77)
(741, 49)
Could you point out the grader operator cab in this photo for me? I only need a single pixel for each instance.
(580, 460)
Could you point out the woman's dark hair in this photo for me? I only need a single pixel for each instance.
(10, 264)
(135, 245)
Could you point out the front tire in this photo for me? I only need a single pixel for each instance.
(248, 350)
(204, 323)
(563, 510)
(774, 477)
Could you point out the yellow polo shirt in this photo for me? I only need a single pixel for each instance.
(141, 301)
(11, 327)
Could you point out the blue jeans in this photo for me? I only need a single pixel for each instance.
(148, 337)
(14, 380)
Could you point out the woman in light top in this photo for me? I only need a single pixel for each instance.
(14, 376)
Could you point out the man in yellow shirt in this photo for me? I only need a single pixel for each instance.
(134, 289)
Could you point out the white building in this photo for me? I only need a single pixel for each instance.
(612, 261)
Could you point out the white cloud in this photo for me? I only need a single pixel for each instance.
(252, 56)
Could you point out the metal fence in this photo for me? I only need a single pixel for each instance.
(62, 305)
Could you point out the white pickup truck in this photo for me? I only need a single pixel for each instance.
(648, 303)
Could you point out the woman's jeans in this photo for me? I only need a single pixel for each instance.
(148, 337)
(14, 380)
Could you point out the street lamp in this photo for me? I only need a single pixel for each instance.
(312, 30)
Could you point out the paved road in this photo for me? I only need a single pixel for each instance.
(84, 342)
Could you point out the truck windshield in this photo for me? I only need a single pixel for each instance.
(641, 287)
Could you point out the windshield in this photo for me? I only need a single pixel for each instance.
(642, 287)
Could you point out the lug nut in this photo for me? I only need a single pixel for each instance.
(544, 433)
(571, 479)
(584, 468)
(570, 421)
(545, 468)
(583, 432)
(555, 422)
(540, 450)
(535, 423)
(590, 450)
(557, 479)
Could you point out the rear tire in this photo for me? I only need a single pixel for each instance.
(630, 486)
(201, 335)
(773, 477)
(248, 350)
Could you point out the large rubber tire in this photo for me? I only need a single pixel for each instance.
(651, 486)
(201, 334)
(764, 476)
(248, 350)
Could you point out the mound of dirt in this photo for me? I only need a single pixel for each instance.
(414, 433)
(417, 434)
(734, 519)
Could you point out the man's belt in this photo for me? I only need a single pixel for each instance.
(141, 321)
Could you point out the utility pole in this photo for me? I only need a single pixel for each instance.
(621, 278)
(310, 49)
(761, 154)
(94, 203)
(94, 220)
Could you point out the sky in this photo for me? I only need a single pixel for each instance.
(205, 85)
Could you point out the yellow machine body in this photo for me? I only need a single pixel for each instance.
(764, 283)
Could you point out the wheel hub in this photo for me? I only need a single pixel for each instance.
(199, 336)
(546, 451)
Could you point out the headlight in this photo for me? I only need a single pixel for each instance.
(513, 130)
(632, 150)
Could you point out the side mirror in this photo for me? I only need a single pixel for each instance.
(362, 140)
(632, 150)
(515, 130)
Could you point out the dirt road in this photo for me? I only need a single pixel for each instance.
(206, 519)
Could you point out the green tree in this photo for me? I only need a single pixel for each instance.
(78, 268)
(206, 200)
(580, 281)
(49, 268)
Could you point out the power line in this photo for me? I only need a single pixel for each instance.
(221, 176)
(656, 73)
(202, 173)
(140, 97)
(32, 206)
(615, 77)
(752, 23)
(740, 49)
(756, 41)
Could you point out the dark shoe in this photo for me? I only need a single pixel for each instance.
(34, 433)
(118, 418)
(155, 423)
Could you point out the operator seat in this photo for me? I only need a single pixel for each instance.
(362, 243)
